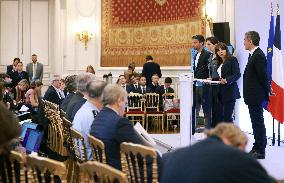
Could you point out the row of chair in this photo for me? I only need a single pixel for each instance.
(149, 107)
(74, 146)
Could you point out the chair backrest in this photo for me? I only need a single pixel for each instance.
(67, 132)
(134, 161)
(101, 172)
(135, 102)
(14, 166)
(152, 101)
(41, 168)
(63, 114)
(79, 146)
(98, 149)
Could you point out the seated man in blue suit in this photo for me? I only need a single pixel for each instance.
(112, 128)
(217, 159)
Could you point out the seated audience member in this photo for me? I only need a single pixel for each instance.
(62, 88)
(123, 84)
(220, 158)
(155, 82)
(53, 94)
(111, 127)
(143, 89)
(19, 74)
(86, 114)
(5, 88)
(79, 98)
(135, 84)
(33, 94)
(10, 129)
(12, 68)
(19, 91)
(90, 69)
(71, 87)
(164, 89)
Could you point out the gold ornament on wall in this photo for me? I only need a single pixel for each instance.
(85, 37)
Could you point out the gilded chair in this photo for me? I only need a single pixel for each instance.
(41, 169)
(13, 169)
(78, 148)
(152, 111)
(93, 171)
(98, 149)
(68, 144)
(139, 162)
(135, 111)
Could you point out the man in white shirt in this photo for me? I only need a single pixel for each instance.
(143, 89)
(86, 114)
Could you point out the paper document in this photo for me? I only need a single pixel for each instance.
(24, 108)
(138, 127)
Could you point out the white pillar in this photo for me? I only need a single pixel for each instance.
(57, 47)
(186, 98)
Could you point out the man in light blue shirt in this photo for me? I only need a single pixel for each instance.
(86, 114)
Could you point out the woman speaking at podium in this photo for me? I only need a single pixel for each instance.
(229, 72)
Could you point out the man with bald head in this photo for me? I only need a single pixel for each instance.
(86, 114)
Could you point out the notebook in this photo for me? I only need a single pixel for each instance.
(32, 140)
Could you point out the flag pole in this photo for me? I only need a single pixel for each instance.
(273, 127)
(278, 133)
(273, 137)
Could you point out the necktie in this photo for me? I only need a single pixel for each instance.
(144, 90)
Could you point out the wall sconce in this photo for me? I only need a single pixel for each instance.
(84, 37)
(207, 21)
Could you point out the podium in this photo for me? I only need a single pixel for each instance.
(186, 100)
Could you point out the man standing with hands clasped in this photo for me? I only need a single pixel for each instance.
(256, 91)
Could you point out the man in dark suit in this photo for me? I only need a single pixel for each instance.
(256, 91)
(78, 99)
(111, 127)
(19, 74)
(52, 94)
(12, 68)
(201, 94)
(217, 159)
(155, 82)
(150, 68)
(161, 90)
(143, 88)
(71, 87)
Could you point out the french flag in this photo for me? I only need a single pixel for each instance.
(276, 100)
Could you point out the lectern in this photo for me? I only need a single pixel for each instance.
(186, 99)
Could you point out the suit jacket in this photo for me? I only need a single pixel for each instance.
(210, 160)
(255, 81)
(231, 72)
(131, 88)
(16, 77)
(113, 129)
(150, 68)
(148, 89)
(39, 71)
(153, 88)
(76, 108)
(73, 101)
(52, 96)
(9, 70)
(202, 71)
(66, 101)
